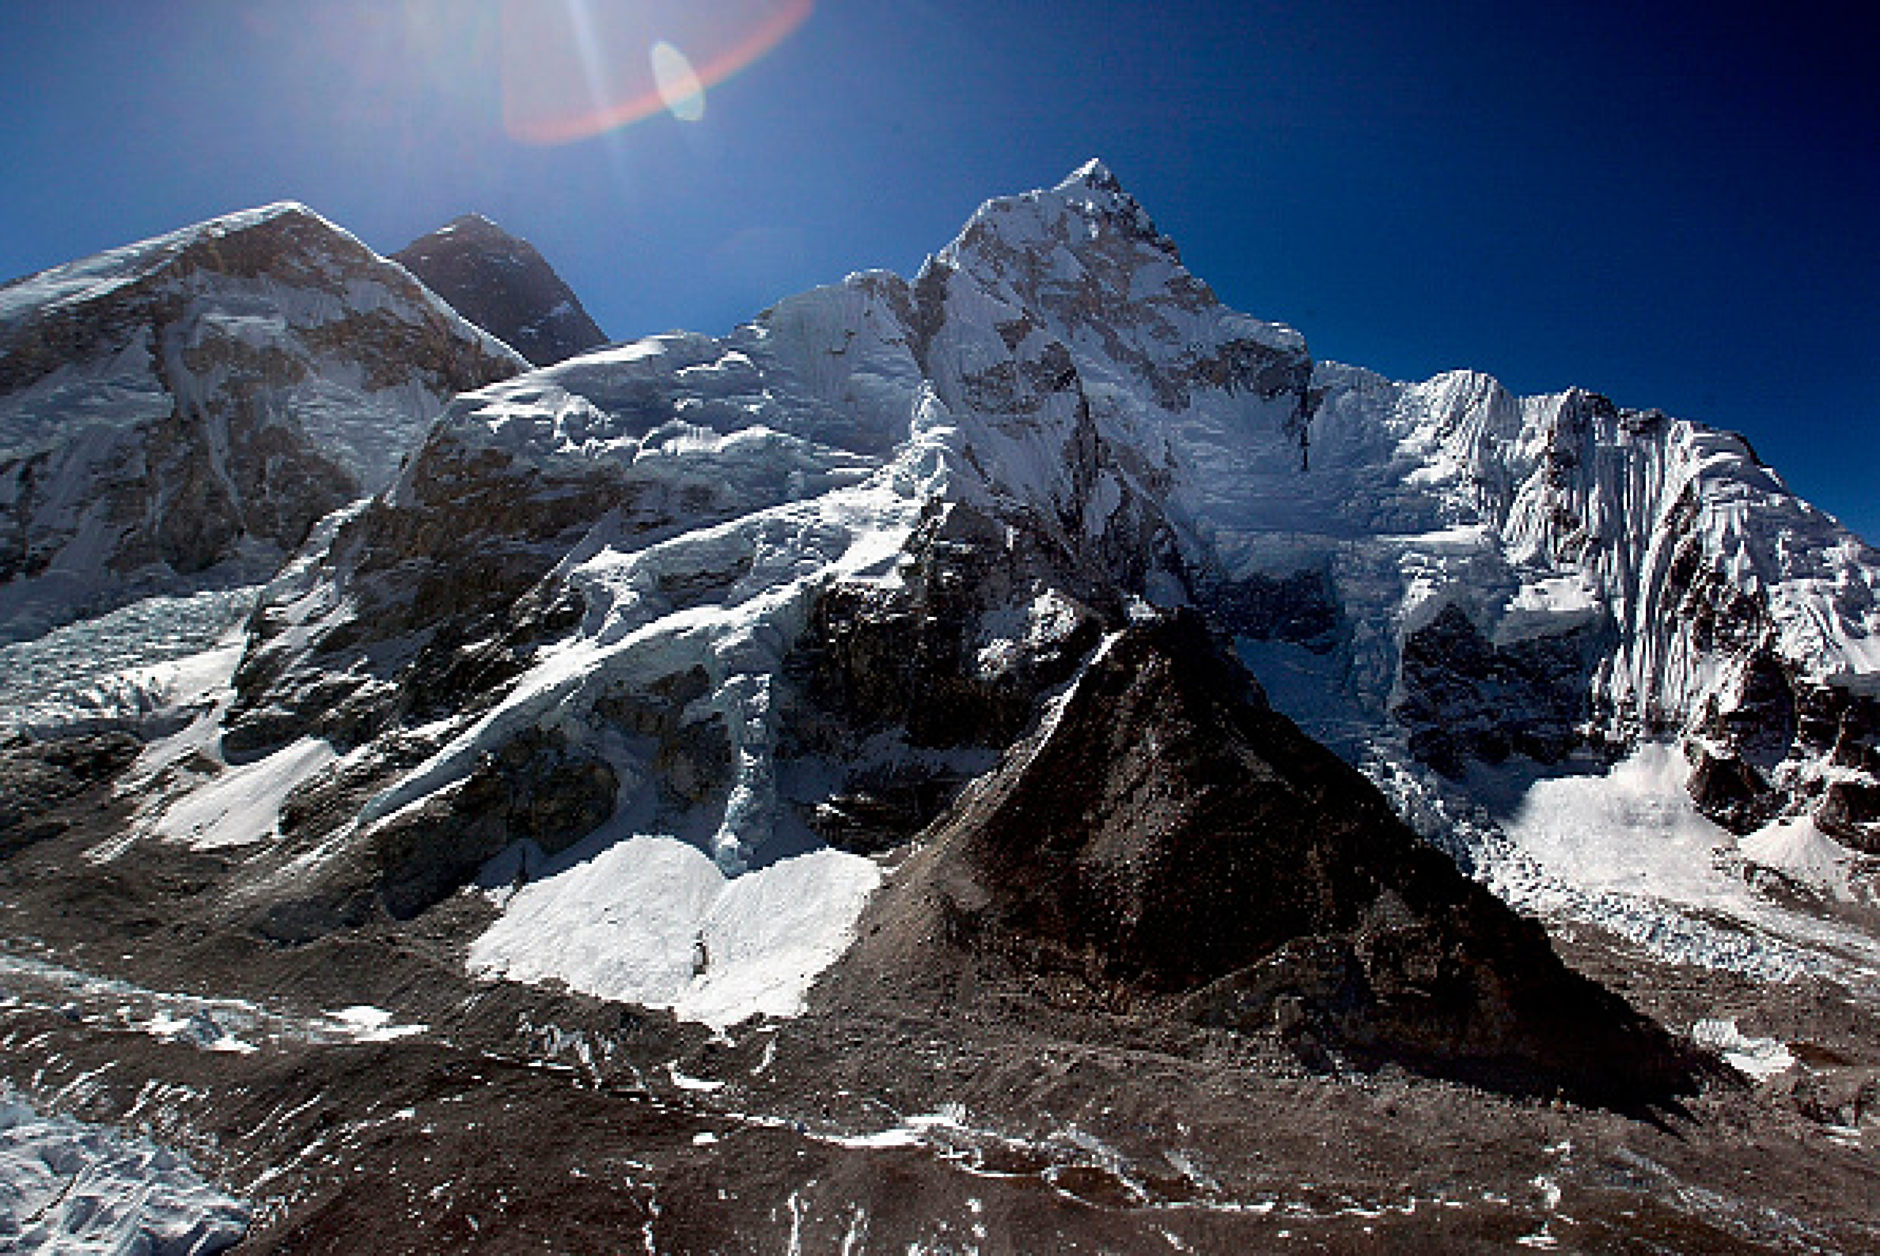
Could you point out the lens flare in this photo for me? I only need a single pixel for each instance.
(572, 69)
(679, 88)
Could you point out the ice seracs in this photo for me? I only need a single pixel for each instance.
(70, 1186)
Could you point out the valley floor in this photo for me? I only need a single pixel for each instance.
(363, 1094)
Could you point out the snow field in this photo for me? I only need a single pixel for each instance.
(1626, 849)
(653, 920)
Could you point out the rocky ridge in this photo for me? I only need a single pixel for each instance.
(192, 404)
(1168, 846)
(503, 285)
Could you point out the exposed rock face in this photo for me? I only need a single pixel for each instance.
(538, 791)
(1166, 840)
(503, 285)
(36, 777)
(916, 664)
(195, 402)
(1464, 697)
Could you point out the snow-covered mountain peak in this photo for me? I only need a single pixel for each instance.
(199, 398)
(1094, 174)
(243, 219)
(1087, 238)
(1085, 207)
(1072, 291)
(469, 222)
(90, 278)
(274, 246)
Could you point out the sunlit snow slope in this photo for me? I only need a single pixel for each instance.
(790, 589)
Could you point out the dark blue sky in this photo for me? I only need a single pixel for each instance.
(1675, 207)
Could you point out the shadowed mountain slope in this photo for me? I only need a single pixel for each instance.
(1165, 841)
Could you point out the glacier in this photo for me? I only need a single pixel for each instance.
(72, 1187)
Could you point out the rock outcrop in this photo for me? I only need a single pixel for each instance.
(503, 285)
(1166, 843)
(35, 778)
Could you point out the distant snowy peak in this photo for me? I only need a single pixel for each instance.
(285, 244)
(1087, 257)
(503, 285)
(103, 273)
(1071, 297)
(200, 398)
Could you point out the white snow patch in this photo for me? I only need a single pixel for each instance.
(242, 805)
(1798, 848)
(1632, 830)
(1758, 1057)
(685, 1081)
(1628, 851)
(1546, 608)
(365, 1023)
(894, 1136)
(198, 1029)
(653, 920)
(1008, 633)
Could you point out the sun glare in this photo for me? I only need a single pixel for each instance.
(678, 83)
(572, 69)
